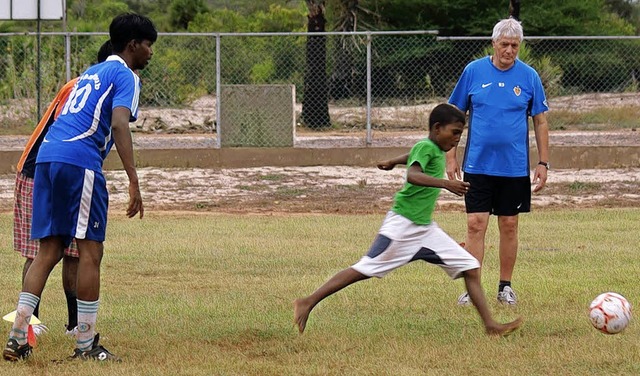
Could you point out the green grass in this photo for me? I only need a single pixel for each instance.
(203, 294)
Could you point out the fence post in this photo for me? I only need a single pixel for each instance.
(67, 55)
(218, 90)
(369, 138)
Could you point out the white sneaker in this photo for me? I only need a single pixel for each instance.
(507, 296)
(72, 333)
(39, 329)
(464, 300)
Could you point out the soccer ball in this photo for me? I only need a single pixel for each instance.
(610, 313)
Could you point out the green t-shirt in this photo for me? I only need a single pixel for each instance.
(415, 202)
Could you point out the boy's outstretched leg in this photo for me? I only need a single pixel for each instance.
(303, 306)
(472, 282)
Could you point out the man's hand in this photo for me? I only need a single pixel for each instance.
(135, 201)
(539, 178)
(453, 170)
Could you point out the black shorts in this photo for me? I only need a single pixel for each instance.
(498, 195)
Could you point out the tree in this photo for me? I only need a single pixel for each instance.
(315, 101)
(351, 17)
(341, 79)
(184, 11)
(514, 9)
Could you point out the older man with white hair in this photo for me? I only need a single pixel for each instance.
(500, 92)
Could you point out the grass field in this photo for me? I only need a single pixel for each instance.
(210, 294)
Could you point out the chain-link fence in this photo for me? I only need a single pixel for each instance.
(353, 89)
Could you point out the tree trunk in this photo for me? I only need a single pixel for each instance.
(514, 9)
(315, 102)
(343, 73)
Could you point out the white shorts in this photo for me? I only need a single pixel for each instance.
(401, 241)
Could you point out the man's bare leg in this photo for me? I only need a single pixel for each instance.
(477, 224)
(302, 307)
(69, 284)
(508, 245)
(49, 255)
(472, 282)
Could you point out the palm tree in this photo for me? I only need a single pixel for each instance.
(315, 101)
(514, 9)
(341, 79)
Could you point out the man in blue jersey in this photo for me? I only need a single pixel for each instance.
(500, 92)
(23, 205)
(70, 197)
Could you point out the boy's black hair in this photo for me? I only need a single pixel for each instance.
(105, 51)
(130, 26)
(446, 114)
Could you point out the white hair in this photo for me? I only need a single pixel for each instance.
(507, 28)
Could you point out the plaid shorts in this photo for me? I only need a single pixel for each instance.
(22, 210)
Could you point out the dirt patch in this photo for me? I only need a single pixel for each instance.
(335, 189)
(199, 116)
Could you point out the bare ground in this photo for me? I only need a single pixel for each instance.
(332, 189)
(337, 189)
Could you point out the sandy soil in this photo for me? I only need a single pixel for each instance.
(336, 189)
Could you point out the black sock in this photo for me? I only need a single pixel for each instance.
(503, 284)
(36, 311)
(72, 309)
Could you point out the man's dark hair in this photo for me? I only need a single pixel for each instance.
(105, 51)
(446, 114)
(130, 26)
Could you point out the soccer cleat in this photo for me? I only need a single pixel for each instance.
(464, 300)
(507, 296)
(97, 353)
(39, 329)
(13, 351)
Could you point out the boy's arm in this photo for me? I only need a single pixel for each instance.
(124, 145)
(415, 176)
(391, 163)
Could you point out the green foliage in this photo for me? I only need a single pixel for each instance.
(184, 67)
(278, 18)
(182, 70)
(87, 15)
(218, 21)
(469, 17)
(182, 12)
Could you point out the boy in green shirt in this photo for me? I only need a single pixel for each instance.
(408, 233)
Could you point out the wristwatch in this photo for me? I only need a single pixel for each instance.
(545, 164)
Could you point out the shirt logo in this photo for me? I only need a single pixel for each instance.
(517, 91)
(486, 85)
(501, 84)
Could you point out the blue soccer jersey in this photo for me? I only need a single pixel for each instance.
(499, 103)
(81, 135)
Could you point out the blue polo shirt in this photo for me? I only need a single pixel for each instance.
(499, 103)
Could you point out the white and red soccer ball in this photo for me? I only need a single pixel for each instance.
(610, 313)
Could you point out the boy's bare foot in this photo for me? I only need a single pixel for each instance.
(301, 312)
(504, 329)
